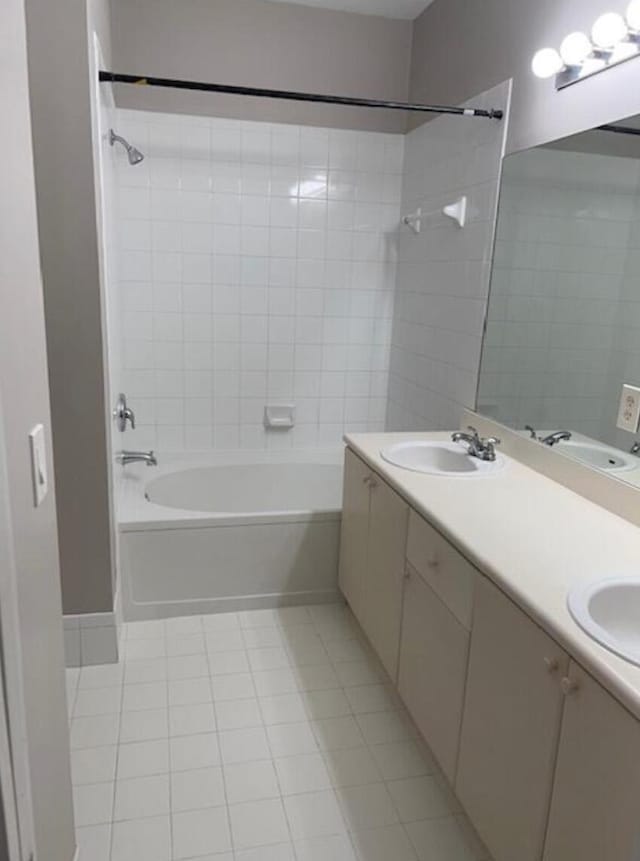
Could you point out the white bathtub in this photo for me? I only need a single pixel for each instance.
(222, 536)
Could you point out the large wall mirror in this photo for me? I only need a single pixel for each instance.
(563, 328)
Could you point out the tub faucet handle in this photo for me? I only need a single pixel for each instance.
(124, 414)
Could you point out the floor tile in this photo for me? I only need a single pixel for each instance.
(142, 758)
(336, 847)
(102, 676)
(278, 852)
(141, 797)
(93, 804)
(144, 725)
(236, 687)
(220, 622)
(258, 618)
(398, 759)
(192, 720)
(94, 842)
(297, 774)
(151, 695)
(238, 714)
(244, 745)
(354, 767)
(187, 667)
(384, 844)
(228, 663)
(293, 616)
(258, 823)
(290, 739)
(194, 751)
(223, 641)
(314, 814)
(340, 651)
(367, 806)
(94, 731)
(371, 698)
(383, 727)
(419, 798)
(135, 650)
(326, 704)
(262, 638)
(181, 626)
(271, 683)
(282, 708)
(316, 677)
(356, 673)
(200, 832)
(192, 790)
(184, 692)
(337, 733)
(185, 645)
(250, 781)
(93, 764)
(97, 701)
(440, 839)
(142, 840)
(152, 629)
(274, 658)
(149, 670)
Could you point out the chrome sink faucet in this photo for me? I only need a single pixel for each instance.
(477, 446)
(550, 440)
(148, 457)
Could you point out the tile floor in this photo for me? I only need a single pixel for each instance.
(257, 736)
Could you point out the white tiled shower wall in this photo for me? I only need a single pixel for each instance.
(443, 273)
(564, 330)
(257, 265)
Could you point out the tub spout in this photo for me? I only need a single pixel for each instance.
(148, 457)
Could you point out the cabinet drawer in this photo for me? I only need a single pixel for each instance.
(447, 572)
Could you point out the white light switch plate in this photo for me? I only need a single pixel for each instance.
(629, 412)
(38, 464)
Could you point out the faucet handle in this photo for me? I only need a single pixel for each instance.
(492, 440)
(124, 414)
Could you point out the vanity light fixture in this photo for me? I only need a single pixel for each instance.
(614, 39)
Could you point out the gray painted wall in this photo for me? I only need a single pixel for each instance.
(253, 43)
(461, 48)
(24, 393)
(60, 112)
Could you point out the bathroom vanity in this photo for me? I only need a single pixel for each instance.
(460, 584)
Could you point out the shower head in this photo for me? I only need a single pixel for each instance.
(134, 155)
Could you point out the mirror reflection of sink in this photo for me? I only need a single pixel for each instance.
(609, 612)
(439, 458)
(601, 457)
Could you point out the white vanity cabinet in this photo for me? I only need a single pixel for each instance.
(434, 648)
(595, 807)
(372, 557)
(510, 728)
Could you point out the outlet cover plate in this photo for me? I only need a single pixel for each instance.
(629, 411)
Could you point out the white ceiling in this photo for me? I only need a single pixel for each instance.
(408, 9)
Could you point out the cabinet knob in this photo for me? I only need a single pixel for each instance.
(373, 483)
(569, 686)
(366, 479)
(552, 665)
(433, 561)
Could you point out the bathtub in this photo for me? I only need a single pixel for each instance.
(216, 536)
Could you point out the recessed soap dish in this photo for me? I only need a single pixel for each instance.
(279, 416)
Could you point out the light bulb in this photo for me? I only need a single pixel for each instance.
(633, 15)
(575, 49)
(608, 30)
(546, 63)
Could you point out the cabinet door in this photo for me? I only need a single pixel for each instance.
(595, 808)
(432, 669)
(510, 727)
(382, 600)
(354, 535)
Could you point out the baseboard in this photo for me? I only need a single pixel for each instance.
(90, 638)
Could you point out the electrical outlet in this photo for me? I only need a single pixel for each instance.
(629, 412)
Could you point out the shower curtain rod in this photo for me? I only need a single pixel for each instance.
(176, 84)
(620, 130)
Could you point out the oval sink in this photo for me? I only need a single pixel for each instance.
(609, 459)
(439, 458)
(609, 612)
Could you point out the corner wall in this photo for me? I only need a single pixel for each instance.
(60, 112)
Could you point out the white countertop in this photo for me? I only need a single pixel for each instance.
(533, 537)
